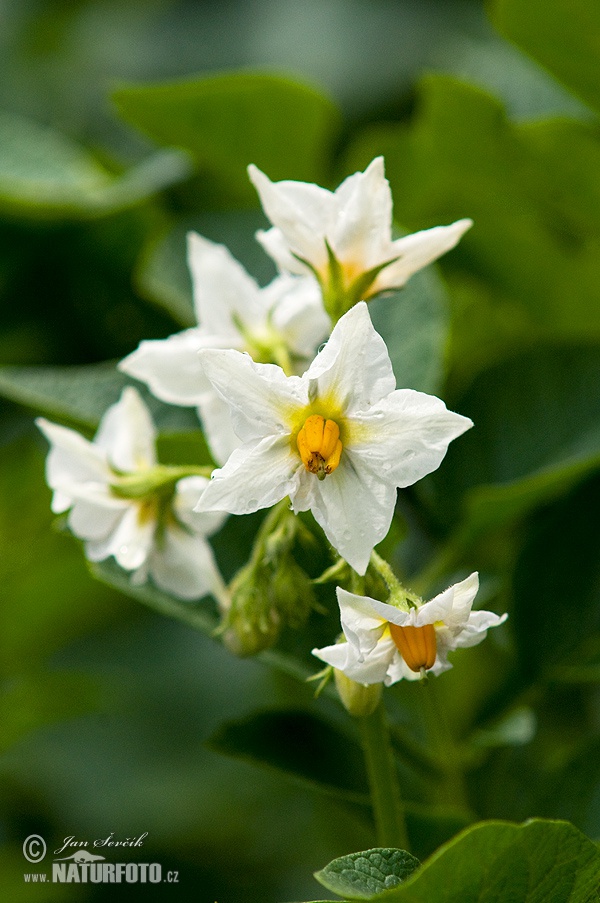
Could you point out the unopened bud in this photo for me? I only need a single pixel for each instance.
(359, 699)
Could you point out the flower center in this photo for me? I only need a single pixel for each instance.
(416, 645)
(319, 445)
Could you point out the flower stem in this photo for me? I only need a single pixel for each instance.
(383, 780)
(453, 790)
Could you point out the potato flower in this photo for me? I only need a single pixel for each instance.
(338, 440)
(344, 238)
(123, 504)
(284, 322)
(385, 643)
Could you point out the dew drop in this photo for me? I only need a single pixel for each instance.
(123, 550)
(253, 503)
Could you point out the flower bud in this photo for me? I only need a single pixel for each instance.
(359, 699)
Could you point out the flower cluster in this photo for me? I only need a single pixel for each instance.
(296, 395)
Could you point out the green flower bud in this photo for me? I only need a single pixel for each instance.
(358, 699)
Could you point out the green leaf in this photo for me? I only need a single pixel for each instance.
(414, 324)
(44, 174)
(499, 862)
(228, 121)
(163, 275)
(47, 597)
(556, 584)
(300, 745)
(364, 875)
(560, 34)
(533, 192)
(82, 394)
(536, 432)
(35, 700)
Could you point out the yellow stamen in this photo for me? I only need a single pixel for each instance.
(319, 445)
(416, 645)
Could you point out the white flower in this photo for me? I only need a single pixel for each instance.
(339, 440)
(125, 505)
(286, 319)
(385, 643)
(354, 223)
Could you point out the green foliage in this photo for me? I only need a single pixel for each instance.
(562, 35)
(363, 876)
(497, 862)
(229, 121)
(301, 745)
(531, 258)
(81, 395)
(506, 329)
(45, 175)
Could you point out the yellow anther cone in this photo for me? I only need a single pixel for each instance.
(416, 645)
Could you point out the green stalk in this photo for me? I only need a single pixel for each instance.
(441, 739)
(383, 780)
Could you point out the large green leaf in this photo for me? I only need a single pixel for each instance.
(499, 862)
(229, 121)
(82, 394)
(560, 34)
(531, 260)
(45, 174)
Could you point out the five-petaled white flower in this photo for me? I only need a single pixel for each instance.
(339, 440)
(385, 643)
(123, 504)
(284, 322)
(345, 237)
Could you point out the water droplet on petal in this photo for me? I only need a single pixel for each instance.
(123, 550)
(253, 503)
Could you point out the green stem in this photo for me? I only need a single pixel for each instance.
(383, 780)
(440, 737)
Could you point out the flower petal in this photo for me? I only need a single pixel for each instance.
(187, 495)
(222, 288)
(361, 233)
(417, 250)
(215, 414)
(354, 366)
(171, 367)
(260, 396)
(300, 210)
(298, 314)
(274, 243)
(127, 433)
(184, 564)
(462, 596)
(255, 476)
(362, 626)
(130, 542)
(71, 460)
(405, 436)
(354, 510)
(95, 512)
(370, 670)
(476, 628)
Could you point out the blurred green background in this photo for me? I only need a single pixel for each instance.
(105, 706)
